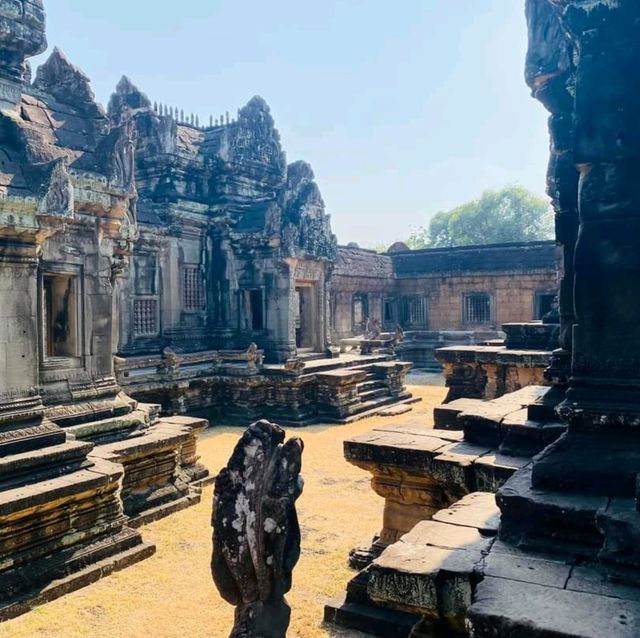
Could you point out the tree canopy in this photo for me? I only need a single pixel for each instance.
(510, 214)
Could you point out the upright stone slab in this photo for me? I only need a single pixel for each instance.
(256, 536)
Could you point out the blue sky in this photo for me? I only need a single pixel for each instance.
(403, 109)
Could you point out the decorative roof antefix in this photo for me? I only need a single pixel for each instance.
(128, 96)
(58, 200)
(68, 84)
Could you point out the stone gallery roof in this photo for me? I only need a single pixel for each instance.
(358, 262)
(58, 146)
(496, 258)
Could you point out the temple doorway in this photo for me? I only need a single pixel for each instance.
(306, 313)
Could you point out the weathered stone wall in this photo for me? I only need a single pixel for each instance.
(226, 229)
(437, 281)
(512, 296)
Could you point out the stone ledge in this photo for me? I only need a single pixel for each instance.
(375, 621)
(434, 568)
(70, 486)
(478, 511)
(504, 607)
(77, 580)
(162, 511)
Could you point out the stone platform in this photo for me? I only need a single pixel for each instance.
(492, 370)
(158, 455)
(62, 523)
(440, 475)
(453, 576)
(302, 392)
(420, 346)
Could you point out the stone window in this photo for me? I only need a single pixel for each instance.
(477, 308)
(543, 303)
(388, 312)
(145, 274)
(145, 317)
(360, 311)
(61, 334)
(192, 289)
(413, 312)
(256, 309)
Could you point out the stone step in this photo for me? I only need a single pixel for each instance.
(433, 570)
(155, 440)
(101, 474)
(57, 460)
(506, 607)
(585, 462)
(478, 511)
(111, 429)
(70, 570)
(550, 521)
(374, 384)
(481, 424)
(370, 406)
(445, 416)
(372, 395)
(505, 423)
(361, 363)
(367, 618)
(87, 411)
(311, 356)
(620, 525)
(544, 408)
(520, 436)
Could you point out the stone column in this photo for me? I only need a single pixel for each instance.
(281, 313)
(598, 456)
(19, 341)
(605, 386)
(550, 73)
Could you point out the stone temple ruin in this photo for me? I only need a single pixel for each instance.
(198, 257)
(519, 516)
(156, 273)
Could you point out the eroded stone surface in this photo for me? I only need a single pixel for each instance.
(256, 536)
(505, 607)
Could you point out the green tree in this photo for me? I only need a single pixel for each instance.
(499, 216)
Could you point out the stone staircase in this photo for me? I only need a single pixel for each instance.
(161, 469)
(459, 553)
(445, 475)
(455, 574)
(350, 392)
(518, 424)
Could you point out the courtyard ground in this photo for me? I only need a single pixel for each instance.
(171, 595)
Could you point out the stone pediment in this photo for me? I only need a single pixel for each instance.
(58, 200)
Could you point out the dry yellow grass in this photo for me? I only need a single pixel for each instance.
(171, 595)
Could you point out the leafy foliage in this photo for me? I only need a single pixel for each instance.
(499, 216)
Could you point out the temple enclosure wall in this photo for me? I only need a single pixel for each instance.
(476, 288)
